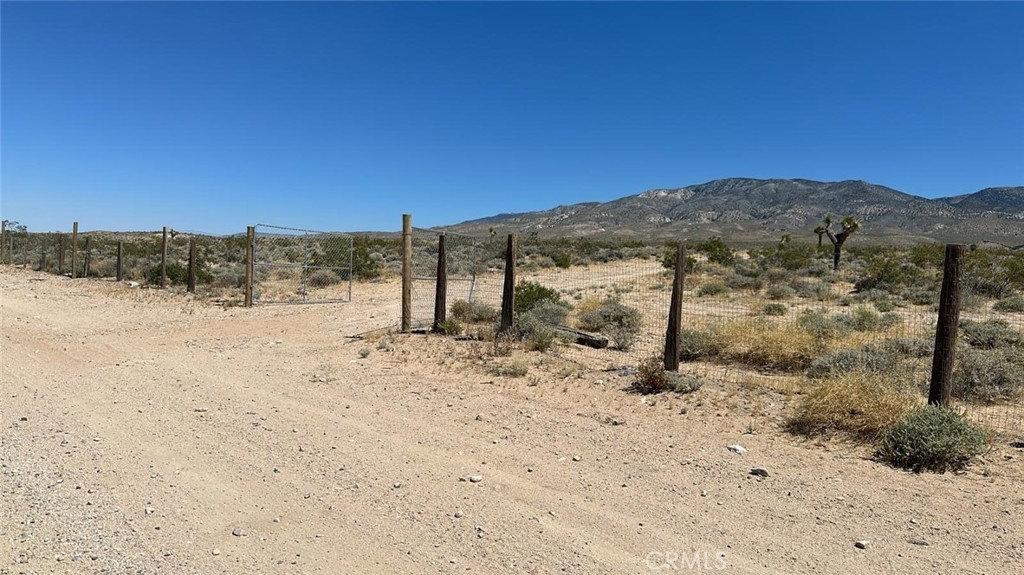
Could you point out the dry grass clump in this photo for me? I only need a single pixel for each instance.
(859, 404)
(767, 345)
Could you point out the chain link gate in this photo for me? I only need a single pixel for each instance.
(462, 265)
(293, 265)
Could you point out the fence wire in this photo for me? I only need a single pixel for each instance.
(292, 265)
(776, 316)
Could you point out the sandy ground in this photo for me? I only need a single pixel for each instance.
(142, 431)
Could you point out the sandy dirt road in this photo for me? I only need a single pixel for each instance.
(145, 432)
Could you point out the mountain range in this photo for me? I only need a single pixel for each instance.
(754, 210)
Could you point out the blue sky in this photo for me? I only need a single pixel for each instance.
(342, 116)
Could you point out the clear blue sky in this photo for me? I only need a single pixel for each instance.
(342, 116)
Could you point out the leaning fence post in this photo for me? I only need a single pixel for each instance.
(163, 260)
(88, 252)
(946, 329)
(406, 272)
(675, 314)
(191, 265)
(250, 249)
(74, 250)
(508, 298)
(441, 290)
(119, 266)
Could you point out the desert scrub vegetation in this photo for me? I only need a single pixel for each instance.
(619, 322)
(989, 365)
(652, 377)
(864, 406)
(932, 438)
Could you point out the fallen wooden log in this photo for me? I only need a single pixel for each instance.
(594, 340)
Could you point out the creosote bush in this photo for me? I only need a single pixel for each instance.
(932, 438)
(529, 295)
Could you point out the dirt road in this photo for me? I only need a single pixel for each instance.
(145, 432)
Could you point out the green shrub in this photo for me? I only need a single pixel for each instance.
(694, 345)
(620, 323)
(474, 312)
(932, 438)
(866, 319)
(451, 326)
(989, 334)
(846, 361)
(536, 325)
(529, 295)
(819, 324)
(712, 288)
(774, 309)
(908, 346)
(322, 278)
(988, 375)
(739, 281)
(1013, 303)
(780, 291)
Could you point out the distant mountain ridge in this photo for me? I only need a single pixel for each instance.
(747, 209)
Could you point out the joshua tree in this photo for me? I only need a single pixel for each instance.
(820, 230)
(850, 226)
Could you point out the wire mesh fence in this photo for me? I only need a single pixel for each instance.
(292, 265)
(777, 316)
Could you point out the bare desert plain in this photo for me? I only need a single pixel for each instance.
(150, 431)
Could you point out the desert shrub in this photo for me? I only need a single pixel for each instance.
(739, 281)
(922, 295)
(474, 312)
(322, 279)
(535, 326)
(176, 274)
(451, 326)
(907, 346)
(1012, 303)
(819, 324)
(865, 360)
(988, 375)
(866, 319)
(780, 291)
(932, 438)
(712, 288)
(864, 406)
(694, 345)
(775, 309)
(529, 294)
(547, 312)
(884, 306)
(514, 368)
(716, 251)
(989, 334)
(651, 377)
(619, 322)
(807, 289)
(787, 349)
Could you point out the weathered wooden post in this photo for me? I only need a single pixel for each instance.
(508, 298)
(119, 266)
(74, 250)
(675, 314)
(88, 253)
(946, 329)
(406, 272)
(60, 254)
(163, 260)
(250, 267)
(441, 290)
(191, 264)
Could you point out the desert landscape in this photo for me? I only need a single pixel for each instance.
(153, 431)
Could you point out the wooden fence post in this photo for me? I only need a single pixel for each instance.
(675, 314)
(3, 240)
(250, 267)
(119, 266)
(441, 291)
(191, 264)
(60, 254)
(508, 298)
(946, 329)
(74, 250)
(88, 253)
(406, 272)
(163, 260)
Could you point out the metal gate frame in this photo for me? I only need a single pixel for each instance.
(307, 266)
